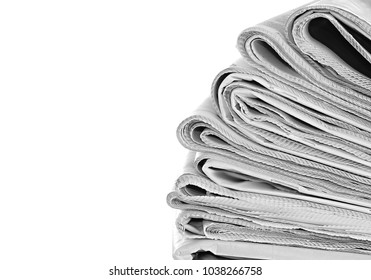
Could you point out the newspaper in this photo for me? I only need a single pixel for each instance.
(281, 160)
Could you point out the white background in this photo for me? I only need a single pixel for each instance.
(91, 93)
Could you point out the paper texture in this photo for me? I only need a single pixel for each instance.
(280, 166)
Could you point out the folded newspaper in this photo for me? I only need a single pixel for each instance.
(280, 153)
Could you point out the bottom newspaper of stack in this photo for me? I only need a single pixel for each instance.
(247, 196)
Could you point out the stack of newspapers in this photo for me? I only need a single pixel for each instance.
(280, 153)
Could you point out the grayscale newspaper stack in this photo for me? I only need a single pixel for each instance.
(280, 153)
